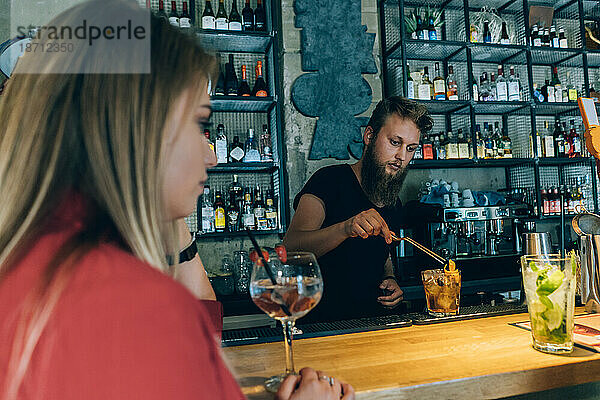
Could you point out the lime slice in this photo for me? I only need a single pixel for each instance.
(533, 267)
(553, 317)
(550, 284)
(546, 302)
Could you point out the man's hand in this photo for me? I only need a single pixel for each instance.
(394, 298)
(368, 223)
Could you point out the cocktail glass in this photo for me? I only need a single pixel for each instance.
(442, 292)
(297, 290)
(549, 283)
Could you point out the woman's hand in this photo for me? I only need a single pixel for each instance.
(310, 385)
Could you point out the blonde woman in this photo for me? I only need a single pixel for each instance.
(95, 170)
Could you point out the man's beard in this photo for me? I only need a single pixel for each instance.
(381, 187)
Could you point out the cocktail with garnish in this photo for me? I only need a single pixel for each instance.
(289, 290)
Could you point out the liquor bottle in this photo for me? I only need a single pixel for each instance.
(451, 147)
(219, 207)
(426, 87)
(549, 150)
(484, 88)
(554, 40)
(562, 39)
(231, 81)
(208, 212)
(161, 10)
(474, 34)
(559, 143)
(236, 152)
(260, 87)
(514, 92)
(489, 142)
(555, 82)
(173, 16)
(439, 84)
(236, 190)
(247, 17)
(440, 146)
(546, 38)
(549, 92)
(220, 87)
(501, 86)
(419, 29)
(185, 20)
(221, 145)
(260, 18)
(545, 202)
(536, 37)
(425, 30)
(244, 88)
(210, 143)
(410, 84)
(475, 89)
(221, 22)
(427, 148)
(235, 20)
(208, 16)
(451, 85)
(574, 141)
(493, 90)
(259, 211)
(571, 91)
(463, 146)
(504, 39)
(557, 202)
(266, 151)
(538, 144)
(506, 145)
(247, 211)
(487, 35)
(251, 148)
(431, 29)
(497, 141)
(480, 142)
(537, 94)
(418, 153)
(271, 211)
(233, 214)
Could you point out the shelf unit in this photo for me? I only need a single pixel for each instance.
(527, 170)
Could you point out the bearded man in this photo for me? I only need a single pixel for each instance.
(345, 215)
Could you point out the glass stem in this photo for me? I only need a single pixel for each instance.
(288, 327)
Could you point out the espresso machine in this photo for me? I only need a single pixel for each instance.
(478, 231)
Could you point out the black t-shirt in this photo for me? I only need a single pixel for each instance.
(352, 271)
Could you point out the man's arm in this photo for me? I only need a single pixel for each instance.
(304, 233)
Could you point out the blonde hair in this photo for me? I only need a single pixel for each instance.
(99, 134)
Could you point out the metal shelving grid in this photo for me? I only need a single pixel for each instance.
(531, 63)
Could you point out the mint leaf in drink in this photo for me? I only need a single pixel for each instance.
(549, 285)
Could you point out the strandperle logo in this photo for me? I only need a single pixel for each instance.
(86, 31)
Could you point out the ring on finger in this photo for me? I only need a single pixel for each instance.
(327, 378)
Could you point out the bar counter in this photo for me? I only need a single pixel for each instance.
(474, 359)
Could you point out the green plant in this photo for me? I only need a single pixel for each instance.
(410, 20)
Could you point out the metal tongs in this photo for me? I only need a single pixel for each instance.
(449, 265)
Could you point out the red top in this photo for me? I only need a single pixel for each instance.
(121, 330)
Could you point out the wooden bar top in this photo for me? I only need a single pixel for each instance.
(475, 359)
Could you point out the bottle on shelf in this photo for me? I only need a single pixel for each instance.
(546, 38)
(506, 145)
(574, 141)
(549, 147)
(208, 16)
(427, 148)
(251, 148)
(487, 35)
(260, 86)
(463, 146)
(247, 211)
(451, 147)
(161, 10)
(271, 211)
(221, 145)
(231, 81)
(493, 90)
(244, 88)
(266, 151)
(536, 36)
(451, 85)
(559, 142)
(554, 40)
(221, 21)
(419, 29)
(562, 39)
(537, 94)
(555, 82)
(208, 212)
(545, 202)
(480, 142)
(174, 16)
(259, 211)
(431, 29)
(557, 202)
(235, 20)
(236, 190)
(514, 87)
(219, 206)
(439, 84)
(501, 86)
(484, 88)
(236, 152)
(410, 84)
(425, 87)
(247, 17)
(538, 144)
(440, 146)
(504, 39)
(474, 34)
(490, 152)
(475, 89)
(425, 29)
(185, 20)
(220, 86)
(260, 17)
(210, 143)
(233, 214)
(571, 90)
(497, 141)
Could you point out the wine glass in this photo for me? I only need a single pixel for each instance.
(297, 289)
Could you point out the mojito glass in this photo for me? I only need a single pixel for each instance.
(549, 283)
